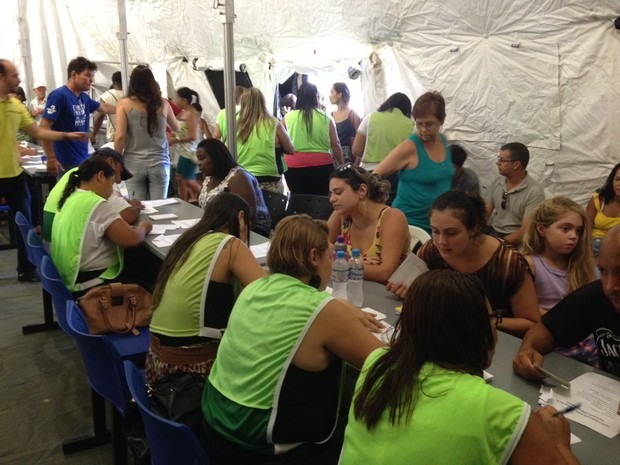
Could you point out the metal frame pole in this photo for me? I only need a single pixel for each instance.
(227, 16)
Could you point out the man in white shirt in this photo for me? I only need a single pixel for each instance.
(37, 104)
(110, 96)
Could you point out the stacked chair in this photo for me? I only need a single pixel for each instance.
(317, 206)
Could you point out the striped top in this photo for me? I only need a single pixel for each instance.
(501, 276)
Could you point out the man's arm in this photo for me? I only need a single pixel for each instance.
(106, 108)
(45, 134)
(97, 122)
(537, 342)
(516, 237)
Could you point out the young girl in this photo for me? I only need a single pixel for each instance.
(557, 246)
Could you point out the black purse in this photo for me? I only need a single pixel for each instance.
(178, 397)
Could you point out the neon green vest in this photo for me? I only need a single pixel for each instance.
(269, 320)
(317, 140)
(180, 312)
(457, 419)
(51, 204)
(386, 129)
(68, 231)
(257, 154)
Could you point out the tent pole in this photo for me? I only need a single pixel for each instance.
(24, 42)
(122, 44)
(228, 18)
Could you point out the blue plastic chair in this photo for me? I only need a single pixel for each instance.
(52, 283)
(169, 442)
(25, 227)
(104, 367)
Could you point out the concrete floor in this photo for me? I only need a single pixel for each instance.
(44, 393)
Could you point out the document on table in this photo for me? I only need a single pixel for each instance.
(163, 216)
(159, 203)
(409, 270)
(165, 241)
(599, 397)
(186, 224)
(162, 228)
(260, 250)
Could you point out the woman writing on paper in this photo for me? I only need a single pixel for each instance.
(273, 393)
(88, 235)
(428, 390)
(197, 288)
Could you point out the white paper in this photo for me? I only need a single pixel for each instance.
(159, 203)
(162, 228)
(148, 210)
(599, 397)
(165, 241)
(186, 224)
(163, 216)
(409, 270)
(386, 333)
(378, 315)
(260, 250)
(488, 377)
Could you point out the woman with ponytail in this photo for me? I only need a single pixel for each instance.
(88, 235)
(140, 136)
(185, 141)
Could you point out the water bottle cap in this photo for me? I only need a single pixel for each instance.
(340, 239)
(340, 254)
(355, 252)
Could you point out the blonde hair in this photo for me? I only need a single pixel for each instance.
(580, 262)
(291, 243)
(253, 114)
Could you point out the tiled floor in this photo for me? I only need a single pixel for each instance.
(44, 395)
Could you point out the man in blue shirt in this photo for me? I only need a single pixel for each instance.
(68, 109)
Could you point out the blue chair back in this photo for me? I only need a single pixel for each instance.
(52, 283)
(169, 442)
(24, 227)
(102, 361)
(35, 249)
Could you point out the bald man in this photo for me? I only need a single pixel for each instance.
(591, 309)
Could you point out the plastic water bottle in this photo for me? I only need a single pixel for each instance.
(340, 276)
(355, 290)
(340, 245)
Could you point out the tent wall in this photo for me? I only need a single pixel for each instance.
(543, 73)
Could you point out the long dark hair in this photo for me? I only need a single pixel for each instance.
(189, 94)
(444, 321)
(397, 100)
(607, 192)
(221, 158)
(143, 87)
(87, 170)
(307, 103)
(220, 215)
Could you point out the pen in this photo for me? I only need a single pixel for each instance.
(133, 194)
(568, 409)
(557, 379)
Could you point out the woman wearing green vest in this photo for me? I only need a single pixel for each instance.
(425, 399)
(197, 287)
(316, 143)
(88, 235)
(261, 139)
(423, 162)
(273, 393)
(382, 130)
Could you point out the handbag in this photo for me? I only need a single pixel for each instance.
(178, 397)
(116, 308)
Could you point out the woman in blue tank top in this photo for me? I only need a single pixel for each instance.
(423, 162)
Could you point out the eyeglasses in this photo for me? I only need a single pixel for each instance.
(345, 166)
(497, 314)
(509, 160)
(350, 167)
(504, 200)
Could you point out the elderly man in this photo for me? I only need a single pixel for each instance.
(513, 195)
(13, 117)
(591, 309)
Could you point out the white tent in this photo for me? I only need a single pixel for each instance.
(536, 72)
